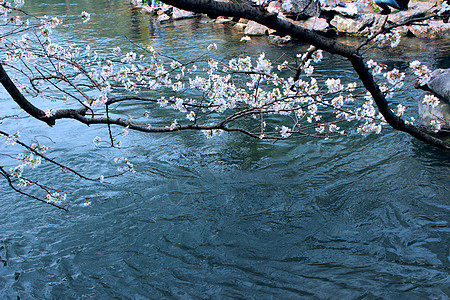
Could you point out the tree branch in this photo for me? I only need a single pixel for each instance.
(393, 120)
(271, 20)
(10, 183)
(18, 97)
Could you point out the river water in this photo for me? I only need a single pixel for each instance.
(229, 217)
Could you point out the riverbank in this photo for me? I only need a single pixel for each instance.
(330, 21)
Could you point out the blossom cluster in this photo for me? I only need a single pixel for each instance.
(55, 198)
(6, 8)
(125, 165)
(422, 72)
(431, 100)
(392, 37)
(32, 158)
(252, 92)
(24, 159)
(375, 67)
(243, 86)
(254, 95)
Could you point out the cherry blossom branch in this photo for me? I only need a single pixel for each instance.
(17, 96)
(12, 186)
(271, 20)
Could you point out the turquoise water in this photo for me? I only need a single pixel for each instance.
(230, 217)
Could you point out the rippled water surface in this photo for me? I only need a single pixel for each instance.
(231, 217)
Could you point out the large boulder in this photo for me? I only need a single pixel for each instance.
(355, 26)
(240, 26)
(254, 28)
(302, 9)
(439, 85)
(163, 18)
(316, 24)
(178, 14)
(433, 30)
(349, 10)
(415, 10)
(439, 113)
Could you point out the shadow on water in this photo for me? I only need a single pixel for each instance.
(231, 217)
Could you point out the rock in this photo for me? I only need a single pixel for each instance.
(343, 18)
(254, 28)
(178, 14)
(240, 26)
(223, 20)
(415, 10)
(316, 24)
(434, 30)
(350, 10)
(303, 9)
(378, 22)
(147, 9)
(163, 18)
(352, 26)
(439, 85)
(346, 20)
(164, 10)
(428, 113)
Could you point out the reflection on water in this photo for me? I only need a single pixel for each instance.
(231, 217)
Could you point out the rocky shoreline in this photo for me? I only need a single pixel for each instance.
(340, 20)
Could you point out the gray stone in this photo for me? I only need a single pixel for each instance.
(164, 10)
(347, 22)
(415, 10)
(350, 9)
(439, 85)
(352, 26)
(223, 20)
(147, 9)
(434, 30)
(346, 19)
(163, 18)
(178, 14)
(316, 24)
(240, 26)
(303, 9)
(254, 28)
(428, 113)
(378, 22)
